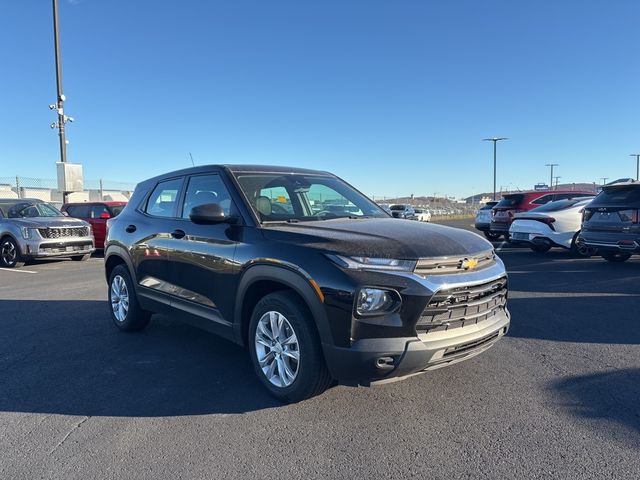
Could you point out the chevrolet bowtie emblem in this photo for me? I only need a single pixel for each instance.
(469, 263)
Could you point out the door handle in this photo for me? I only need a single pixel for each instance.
(130, 229)
(178, 234)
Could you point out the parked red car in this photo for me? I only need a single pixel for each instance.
(512, 203)
(97, 214)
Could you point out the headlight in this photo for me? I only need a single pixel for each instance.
(27, 233)
(372, 301)
(371, 263)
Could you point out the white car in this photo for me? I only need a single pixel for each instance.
(554, 224)
(423, 215)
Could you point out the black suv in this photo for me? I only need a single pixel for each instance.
(611, 222)
(264, 257)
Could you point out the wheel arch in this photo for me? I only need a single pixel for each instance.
(260, 280)
(115, 256)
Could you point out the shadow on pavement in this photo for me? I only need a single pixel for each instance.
(584, 319)
(610, 396)
(66, 357)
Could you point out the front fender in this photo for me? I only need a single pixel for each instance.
(294, 278)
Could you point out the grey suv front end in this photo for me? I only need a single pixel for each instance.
(35, 229)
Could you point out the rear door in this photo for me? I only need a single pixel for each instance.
(201, 257)
(148, 231)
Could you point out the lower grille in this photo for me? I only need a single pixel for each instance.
(61, 232)
(463, 306)
(466, 347)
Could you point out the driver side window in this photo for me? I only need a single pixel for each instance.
(204, 189)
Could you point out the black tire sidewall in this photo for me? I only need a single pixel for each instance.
(311, 359)
(616, 257)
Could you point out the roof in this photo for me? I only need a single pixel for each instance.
(610, 186)
(546, 192)
(21, 200)
(235, 169)
(96, 202)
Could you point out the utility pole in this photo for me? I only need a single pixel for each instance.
(551, 180)
(637, 155)
(59, 105)
(495, 140)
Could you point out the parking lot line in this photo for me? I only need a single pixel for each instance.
(16, 271)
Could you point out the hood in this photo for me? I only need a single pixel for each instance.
(380, 237)
(44, 222)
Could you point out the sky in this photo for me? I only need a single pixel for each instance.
(394, 96)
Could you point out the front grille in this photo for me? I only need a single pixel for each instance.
(61, 232)
(443, 265)
(463, 306)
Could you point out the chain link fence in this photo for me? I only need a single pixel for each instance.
(46, 189)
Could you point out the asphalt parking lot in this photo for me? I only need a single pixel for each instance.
(559, 397)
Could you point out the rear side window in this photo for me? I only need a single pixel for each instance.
(78, 211)
(624, 196)
(510, 201)
(163, 201)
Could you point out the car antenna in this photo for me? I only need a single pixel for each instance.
(191, 157)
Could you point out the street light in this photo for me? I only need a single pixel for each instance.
(494, 140)
(604, 180)
(551, 180)
(557, 178)
(637, 155)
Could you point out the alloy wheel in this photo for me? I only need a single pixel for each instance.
(277, 349)
(119, 298)
(9, 253)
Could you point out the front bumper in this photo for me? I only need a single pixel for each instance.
(59, 247)
(483, 226)
(374, 360)
(371, 360)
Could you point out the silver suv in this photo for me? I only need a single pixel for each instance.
(31, 228)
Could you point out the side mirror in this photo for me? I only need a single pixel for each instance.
(210, 213)
(105, 216)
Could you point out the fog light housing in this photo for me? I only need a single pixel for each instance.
(374, 301)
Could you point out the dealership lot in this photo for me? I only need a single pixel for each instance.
(556, 398)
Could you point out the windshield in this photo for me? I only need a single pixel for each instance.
(304, 197)
(32, 210)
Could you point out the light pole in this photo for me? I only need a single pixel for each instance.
(637, 155)
(557, 178)
(495, 140)
(59, 105)
(604, 180)
(551, 180)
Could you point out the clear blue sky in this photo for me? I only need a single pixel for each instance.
(394, 96)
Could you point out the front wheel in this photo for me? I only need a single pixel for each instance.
(616, 257)
(581, 250)
(285, 348)
(10, 256)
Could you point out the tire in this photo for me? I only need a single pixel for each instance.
(544, 248)
(616, 257)
(10, 256)
(81, 258)
(300, 379)
(492, 235)
(125, 310)
(581, 251)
